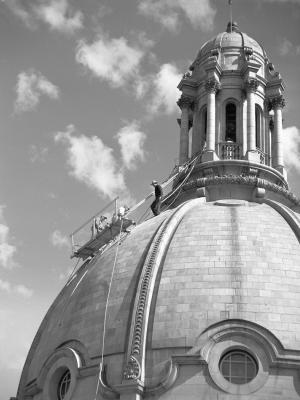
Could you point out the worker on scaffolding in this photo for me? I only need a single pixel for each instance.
(158, 192)
(98, 224)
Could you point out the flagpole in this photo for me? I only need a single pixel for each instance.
(230, 7)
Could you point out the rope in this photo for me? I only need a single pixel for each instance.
(182, 183)
(70, 277)
(105, 312)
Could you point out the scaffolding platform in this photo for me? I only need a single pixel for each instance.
(102, 238)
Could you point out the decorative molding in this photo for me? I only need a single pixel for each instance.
(185, 102)
(278, 102)
(242, 180)
(287, 214)
(132, 369)
(248, 51)
(212, 86)
(187, 75)
(251, 85)
(136, 352)
(268, 104)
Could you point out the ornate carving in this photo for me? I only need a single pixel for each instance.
(185, 102)
(212, 86)
(278, 102)
(187, 75)
(132, 369)
(251, 85)
(242, 180)
(268, 104)
(248, 53)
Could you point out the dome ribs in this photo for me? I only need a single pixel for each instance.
(140, 316)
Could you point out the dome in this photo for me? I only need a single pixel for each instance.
(206, 262)
(232, 48)
(232, 39)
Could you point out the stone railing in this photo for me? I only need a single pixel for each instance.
(229, 151)
(262, 156)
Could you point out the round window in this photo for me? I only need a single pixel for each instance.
(64, 385)
(238, 367)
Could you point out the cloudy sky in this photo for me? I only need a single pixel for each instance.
(88, 112)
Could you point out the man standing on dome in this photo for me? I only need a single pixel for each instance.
(155, 206)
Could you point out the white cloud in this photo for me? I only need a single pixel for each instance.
(165, 92)
(287, 47)
(92, 162)
(199, 12)
(131, 140)
(291, 147)
(57, 14)
(16, 289)
(112, 60)
(7, 250)
(23, 291)
(21, 12)
(37, 153)
(59, 240)
(5, 286)
(30, 86)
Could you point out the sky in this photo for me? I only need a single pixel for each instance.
(88, 112)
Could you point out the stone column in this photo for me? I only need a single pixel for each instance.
(267, 120)
(251, 86)
(211, 86)
(196, 138)
(278, 103)
(185, 103)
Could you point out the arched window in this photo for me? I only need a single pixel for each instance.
(230, 132)
(258, 126)
(205, 122)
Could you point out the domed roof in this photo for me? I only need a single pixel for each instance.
(219, 260)
(232, 38)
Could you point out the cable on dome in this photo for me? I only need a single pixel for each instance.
(106, 307)
(70, 277)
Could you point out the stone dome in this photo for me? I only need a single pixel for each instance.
(231, 48)
(232, 39)
(206, 262)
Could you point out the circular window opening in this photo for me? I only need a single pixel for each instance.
(64, 385)
(238, 367)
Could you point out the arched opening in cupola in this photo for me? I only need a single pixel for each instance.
(258, 114)
(204, 119)
(230, 131)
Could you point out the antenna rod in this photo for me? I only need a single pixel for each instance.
(230, 7)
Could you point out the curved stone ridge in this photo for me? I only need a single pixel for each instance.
(242, 180)
(144, 294)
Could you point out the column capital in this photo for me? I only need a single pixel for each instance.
(268, 104)
(251, 85)
(185, 102)
(278, 102)
(212, 85)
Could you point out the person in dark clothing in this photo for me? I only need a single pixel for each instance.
(158, 192)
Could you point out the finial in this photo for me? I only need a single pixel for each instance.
(232, 27)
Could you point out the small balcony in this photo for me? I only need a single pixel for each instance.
(233, 151)
(229, 151)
